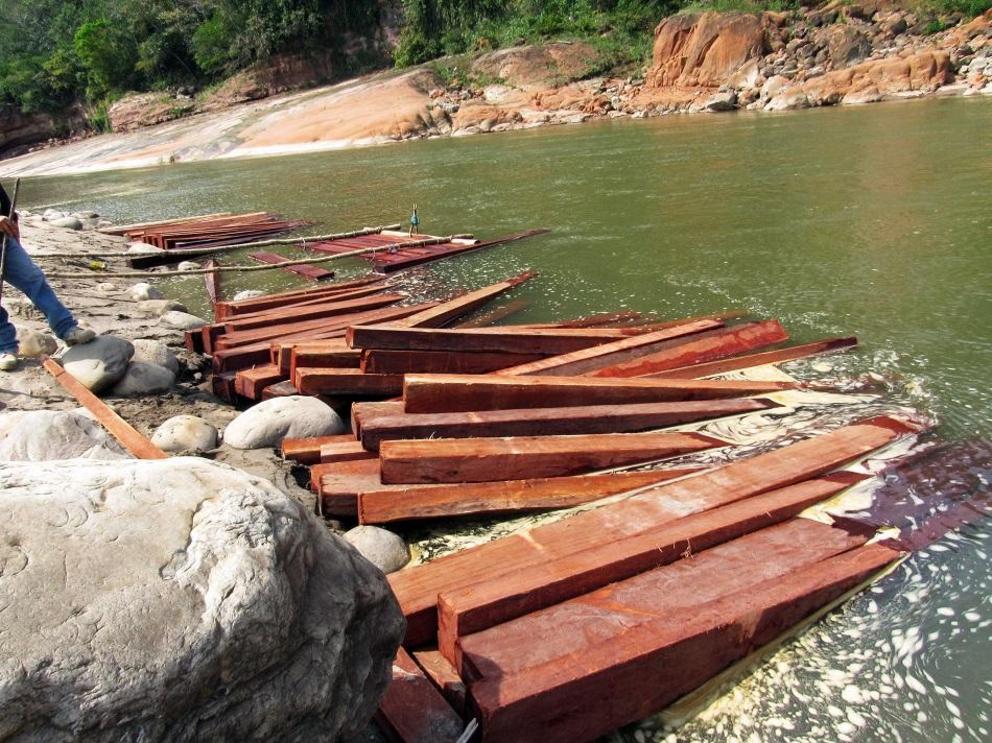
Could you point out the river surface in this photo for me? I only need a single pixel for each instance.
(874, 221)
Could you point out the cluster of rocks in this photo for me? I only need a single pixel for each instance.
(83, 220)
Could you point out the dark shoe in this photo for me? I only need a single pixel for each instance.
(79, 335)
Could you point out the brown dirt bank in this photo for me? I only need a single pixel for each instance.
(839, 53)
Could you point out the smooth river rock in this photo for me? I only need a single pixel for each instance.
(181, 320)
(182, 600)
(41, 435)
(151, 351)
(140, 248)
(143, 290)
(69, 223)
(32, 344)
(185, 433)
(99, 364)
(247, 294)
(384, 549)
(161, 306)
(143, 379)
(269, 422)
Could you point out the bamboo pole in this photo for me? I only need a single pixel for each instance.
(203, 252)
(245, 269)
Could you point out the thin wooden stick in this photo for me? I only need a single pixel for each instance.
(119, 428)
(267, 267)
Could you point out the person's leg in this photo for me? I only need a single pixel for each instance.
(23, 274)
(8, 334)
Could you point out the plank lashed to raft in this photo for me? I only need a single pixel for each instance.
(439, 393)
(551, 702)
(514, 458)
(316, 273)
(506, 339)
(413, 710)
(747, 361)
(284, 299)
(417, 589)
(558, 578)
(591, 419)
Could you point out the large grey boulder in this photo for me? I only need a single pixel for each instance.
(181, 600)
(181, 320)
(185, 433)
(269, 422)
(41, 435)
(143, 379)
(99, 364)
(151, 351)
(385, 550)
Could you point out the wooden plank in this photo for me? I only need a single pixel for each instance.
(341, 295)
(343, 451)
(385, 263)
(463, 304)
(307, 450)
(673, 590)
(212, 282)
(597, 357)
(417, 588)
(521, 457)
(382, 504)
(312, 312)
(440, 393)
(120, 429)
(362, 411)
(272, 301)
(494, 315)
(589, 419)
(315, 273)
(507, 339)
(349, 382)
(308, 355)
(442, 674)
(337, 484)
(487, 603)
(710, 346)
(659, 661)
(413, 710)
(380, 361)
(722, 366)
(250, 383)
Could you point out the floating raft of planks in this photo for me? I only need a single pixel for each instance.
(196, 234)
(670, 573)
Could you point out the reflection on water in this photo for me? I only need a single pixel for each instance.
(871, 220)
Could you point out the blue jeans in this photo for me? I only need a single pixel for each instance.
(23, 274)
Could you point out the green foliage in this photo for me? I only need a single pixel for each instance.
(107, 54)
(967, 8)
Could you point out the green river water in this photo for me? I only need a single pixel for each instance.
(872, 221)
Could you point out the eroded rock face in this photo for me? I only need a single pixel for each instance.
(42, 435)
(269, 422)
(144, 109)
(99, 364)
(181, 600)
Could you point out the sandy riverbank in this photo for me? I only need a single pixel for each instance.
(838, 54)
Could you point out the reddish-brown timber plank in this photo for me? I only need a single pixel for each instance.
(573, 420)
(461, 305)
(442, 674)
(507, 339)
(441, 393)
(679, 588)
(311, 312)
(362, 411)
(494, 315)
(341, 472)
(709, 347)
(413, 710)
(521, 457)
(381, 361)
(386, 263)
(343, 451)
(315, 273)
(329, 381)
(310, 355)
(279, 389)
(660, 661)
(251, 383)
(274, 301)
(722, 366)
(488, 603)
(597, 357)
(417, 588)
(387, 503)
(338, 296)
(307, 451)
(121, 430)
(277, 331)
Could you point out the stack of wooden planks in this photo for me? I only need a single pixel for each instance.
(667, 576)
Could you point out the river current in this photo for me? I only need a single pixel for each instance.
(873, 221)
